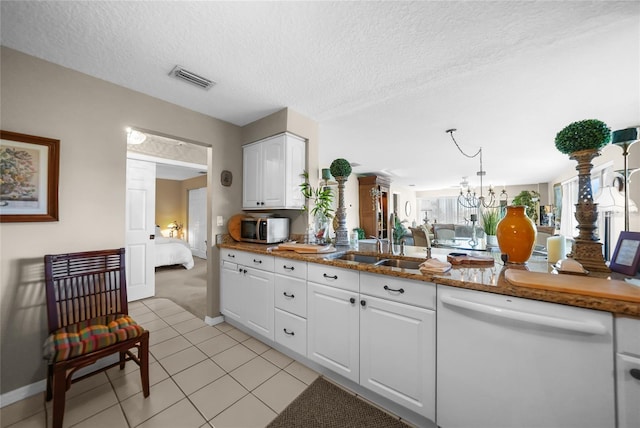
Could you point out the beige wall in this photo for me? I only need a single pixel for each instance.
(88, 116)
(168, 204)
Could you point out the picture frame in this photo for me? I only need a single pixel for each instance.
(29, 173)
(626, 257)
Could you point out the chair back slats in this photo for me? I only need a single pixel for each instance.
(81, 286)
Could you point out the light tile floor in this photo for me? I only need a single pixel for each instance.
(200, 376)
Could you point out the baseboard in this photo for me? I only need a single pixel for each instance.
(22, 393)
(213, 321)
(40, 386)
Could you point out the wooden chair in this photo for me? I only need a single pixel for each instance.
(88, 320)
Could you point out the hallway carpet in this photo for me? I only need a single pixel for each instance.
(187, 288)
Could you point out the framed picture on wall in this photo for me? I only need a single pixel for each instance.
(29, 168)
(626, 257)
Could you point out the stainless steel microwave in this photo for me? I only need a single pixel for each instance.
(265, 230)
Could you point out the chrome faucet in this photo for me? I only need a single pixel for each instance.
(378, 244)
(390, 227)
(402, 247)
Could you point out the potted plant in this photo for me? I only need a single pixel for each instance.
(490, 219)
(582, 141)
(399, 231)
(590, 134)
(530, 199)
(322, 212)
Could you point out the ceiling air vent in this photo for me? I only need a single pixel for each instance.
(180, 73)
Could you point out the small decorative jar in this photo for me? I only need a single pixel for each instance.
(516, 234)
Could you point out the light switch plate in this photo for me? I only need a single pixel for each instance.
(219, 220)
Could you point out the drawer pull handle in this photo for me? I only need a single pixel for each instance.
(635, 373)
(399, 290)
(329, 276)
(289, 333)
(291, 296)
(291, 268)
(257, 261)
(352, 300)
(231, 256)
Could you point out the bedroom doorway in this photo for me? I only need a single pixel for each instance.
(179, 169)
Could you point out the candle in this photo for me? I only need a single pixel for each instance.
(555, 248)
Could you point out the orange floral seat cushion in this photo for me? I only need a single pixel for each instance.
(88, 336)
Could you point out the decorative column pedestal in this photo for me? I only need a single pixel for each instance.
(587, 250)
(342, 234)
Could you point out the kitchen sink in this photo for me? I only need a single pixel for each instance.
(360, 258)
(404, 264)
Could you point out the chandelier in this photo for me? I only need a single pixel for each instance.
(470, 199)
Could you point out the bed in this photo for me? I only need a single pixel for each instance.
(173, 251)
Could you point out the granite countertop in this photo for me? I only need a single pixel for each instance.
(483, 278)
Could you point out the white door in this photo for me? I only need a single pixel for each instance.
(397, 353)
(197, 223)
(258, 301)
(140, 229)
(333, 330)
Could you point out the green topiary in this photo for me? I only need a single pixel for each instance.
(583, 135)
(340, 168)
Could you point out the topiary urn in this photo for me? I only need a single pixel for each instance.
(589, 134)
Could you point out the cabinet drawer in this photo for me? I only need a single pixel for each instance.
(230, 255)
(416, 293)
(627, 335)
(257, 261)
(291, 295)
(345, 279)
(294, 268)
(291, 331)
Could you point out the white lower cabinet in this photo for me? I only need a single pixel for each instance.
(397, 353)
(628, 371)
(290, 301)
(246, 290)
(398, 341)
(259, 301)
(333, 329)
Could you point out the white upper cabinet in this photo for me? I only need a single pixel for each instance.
(272, 171)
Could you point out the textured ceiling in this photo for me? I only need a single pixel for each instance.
(383, 79)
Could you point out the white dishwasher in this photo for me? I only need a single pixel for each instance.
(511, 362)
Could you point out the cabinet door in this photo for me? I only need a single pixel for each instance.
(397, 353)
(628, 384)
(332, 329)
(231, 290)
(258, 301)
(252, 176)
(273, 172)
(295, 163)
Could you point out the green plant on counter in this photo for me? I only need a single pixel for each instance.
(583, 135)
(490, 219)
(321, 197)
(530, 199)
(398, 231)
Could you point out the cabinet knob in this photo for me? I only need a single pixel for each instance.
(352, 300)
(363, 303)
(635, 373)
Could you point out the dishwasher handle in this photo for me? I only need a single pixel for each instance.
(589, 327)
